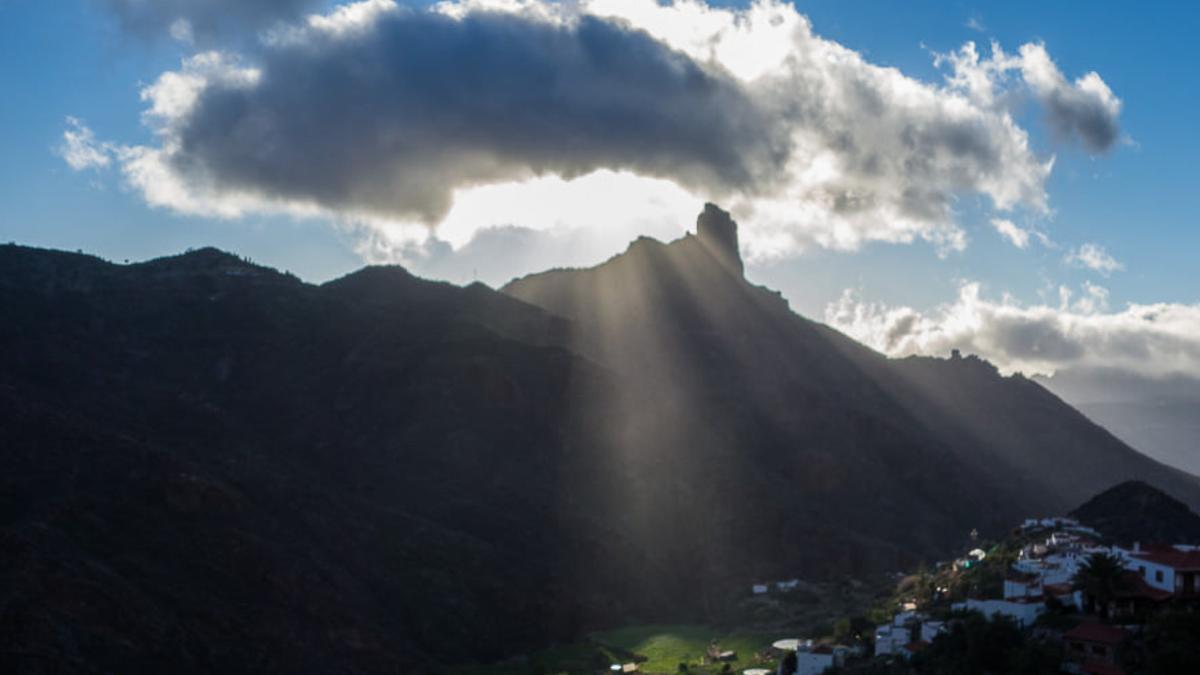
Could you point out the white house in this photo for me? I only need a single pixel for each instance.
(931, 629)
(1174, 570)
(814, 660)
(1023, 586)
(1024, 610)
(890, 639)
(906, 629)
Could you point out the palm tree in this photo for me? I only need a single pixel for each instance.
(1101, 578)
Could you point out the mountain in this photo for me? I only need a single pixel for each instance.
(1158, 416)
(1135, 512)
(680, 318)
(212, 466)
(209, 466)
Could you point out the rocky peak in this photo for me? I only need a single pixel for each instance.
(718, 232)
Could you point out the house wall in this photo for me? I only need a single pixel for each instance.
(890, 639)
(1154, 574)
(1020, 589)
(808, 663)
(1024, 613)
(885, 640)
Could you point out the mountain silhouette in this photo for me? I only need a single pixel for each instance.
(210, 465)
(1135, 512)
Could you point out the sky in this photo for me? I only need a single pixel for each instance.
(1011, 179)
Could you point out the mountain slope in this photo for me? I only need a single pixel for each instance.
(214, 466)
(217, 467)
(1020, 447)
(797, 443)
(1135, 512)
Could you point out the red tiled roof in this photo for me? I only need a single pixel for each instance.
(1138, 588)
(1057, 589)
(1171, 557)
(822, 649)
(1097, 632)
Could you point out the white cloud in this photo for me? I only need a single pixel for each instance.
(1095, 258)
(490, 236)
(1153, 340)
(575, 222)
(81, 150)
(1017, 236)
(386, 117)
(180, 30)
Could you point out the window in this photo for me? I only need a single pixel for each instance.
(1077, 646)
(1099, 650)
(1158, 575)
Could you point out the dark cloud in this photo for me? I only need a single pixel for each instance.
(371, 113)
(205, 19)
(390, 118)
(1085, 110)
(1076, 114)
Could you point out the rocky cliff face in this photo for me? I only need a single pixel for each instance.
(718, 232)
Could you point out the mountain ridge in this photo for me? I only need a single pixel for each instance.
(395, 473)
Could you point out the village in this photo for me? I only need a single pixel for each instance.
(1086, 605)
(1052, 596)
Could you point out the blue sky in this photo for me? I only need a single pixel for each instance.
(73, 58)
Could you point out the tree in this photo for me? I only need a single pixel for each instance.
(1173, 643)
(976, 644)
(789, 664)
(1101, 578)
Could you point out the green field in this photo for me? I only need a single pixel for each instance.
(665, 647)
(657, 649)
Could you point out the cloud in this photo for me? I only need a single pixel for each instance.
(383, 118)
(1153, 340)
(81, 150)
(570, 222)
(1015, 235)
(1093, 257)
(419, 104)
(186, 20)
(1085, 110)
